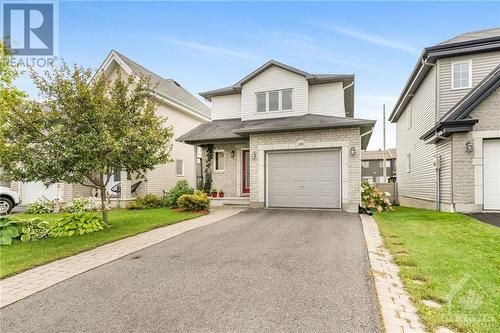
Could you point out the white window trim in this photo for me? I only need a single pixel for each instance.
(453, 63)
(179, 175)
(215, 157)
(280, 101)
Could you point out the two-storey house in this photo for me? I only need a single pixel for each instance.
(286, 138)
(183, 112)
(448, 126)
(372, 166)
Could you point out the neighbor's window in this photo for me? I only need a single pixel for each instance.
(365, 164)
(408, 162)
(387, 164)
(179, 167)
(117, 176)
(271, 101)
(461, 75)
(219, 160)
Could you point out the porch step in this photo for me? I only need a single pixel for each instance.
(230, 201)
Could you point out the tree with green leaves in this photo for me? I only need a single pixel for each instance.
(86, 128)
(10, 96)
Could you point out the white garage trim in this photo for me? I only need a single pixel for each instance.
(491, 174)
(477, 162)
(338, 165)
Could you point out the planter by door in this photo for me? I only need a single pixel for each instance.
(245, 171)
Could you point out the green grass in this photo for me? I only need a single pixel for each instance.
(458, 260)
(124, 223)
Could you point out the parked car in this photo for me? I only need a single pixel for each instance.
(8, 200)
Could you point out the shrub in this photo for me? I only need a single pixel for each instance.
(81, 205)
(135, 205)
(44, 206)
(194, 202)
(374, 198)
(77, 224)
(25, 229)
(181, 187)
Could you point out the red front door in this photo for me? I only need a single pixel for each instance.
(245, 171)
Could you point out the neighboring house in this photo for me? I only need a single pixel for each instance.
(448, 126)
(372, 166)
(183, 111)
(286, 138)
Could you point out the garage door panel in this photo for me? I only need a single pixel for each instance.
(491, 155)
(309, 179)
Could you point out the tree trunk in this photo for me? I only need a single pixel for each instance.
(103, 200)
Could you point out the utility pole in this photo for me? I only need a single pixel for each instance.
(383, 153)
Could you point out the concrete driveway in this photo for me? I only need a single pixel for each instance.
(257, 271)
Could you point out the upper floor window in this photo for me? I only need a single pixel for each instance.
(387, 164)
(461, 74)
(277, 100)
(365, 164)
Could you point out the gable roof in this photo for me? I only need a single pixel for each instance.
(346, 79)
(236, 130)
(457, 118)
(468, 43)
(168, 88)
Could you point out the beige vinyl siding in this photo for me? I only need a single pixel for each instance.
(327, 99)
(444, 150)
(420, 182)
(274, 78)
(163, 177)
(482, 64)
(225, 107)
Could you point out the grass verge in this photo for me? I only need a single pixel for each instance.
(124, 223)
(449, 258)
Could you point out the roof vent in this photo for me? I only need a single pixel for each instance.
(177, 83)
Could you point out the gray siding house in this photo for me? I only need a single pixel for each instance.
(448, 126)
(282, 137)
(372, 166)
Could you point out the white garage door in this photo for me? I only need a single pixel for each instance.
(304, 179)
(32, 191)
(491, 156)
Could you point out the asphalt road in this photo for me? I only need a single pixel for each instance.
(258, 271)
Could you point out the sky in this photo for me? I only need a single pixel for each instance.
(208, 45)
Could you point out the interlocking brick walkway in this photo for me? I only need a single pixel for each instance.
(34, 280)
(398, 312)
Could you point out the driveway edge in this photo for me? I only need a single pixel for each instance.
(398, 312)
(29, 282)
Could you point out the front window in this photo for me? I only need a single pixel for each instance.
(219, 160)
(461, 75)
(272, 101)
(408, 162)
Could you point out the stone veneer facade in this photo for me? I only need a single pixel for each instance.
(230, 179)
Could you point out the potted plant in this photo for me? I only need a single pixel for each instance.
(221, 194)
(214, 193)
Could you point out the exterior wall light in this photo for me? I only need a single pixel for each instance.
(353, 151)
(469, 147)
(232, 153)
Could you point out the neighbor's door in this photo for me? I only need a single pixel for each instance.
(245, 171)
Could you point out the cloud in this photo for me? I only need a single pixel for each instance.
(372, 39)
(214, 50)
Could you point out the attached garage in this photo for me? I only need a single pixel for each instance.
(33, 191)
(491, 160)
(304, 179)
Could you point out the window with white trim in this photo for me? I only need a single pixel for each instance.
(461, 74)
(274, 101)
(219, 160)
(179, 167)
(408, 162)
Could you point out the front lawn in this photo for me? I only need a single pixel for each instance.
(449, 258)
(22, 256)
